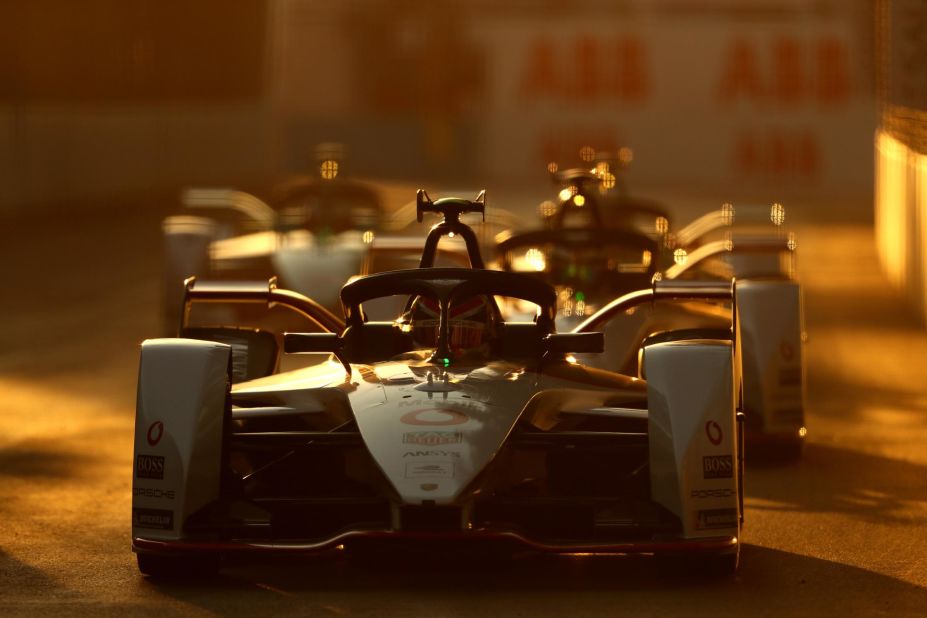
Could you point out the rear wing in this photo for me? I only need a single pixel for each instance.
(256, 292)
(661, 291)
(741, 245)
(242, 202)
(727, 216)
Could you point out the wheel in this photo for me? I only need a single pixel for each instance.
(782, 450)
(160, 566)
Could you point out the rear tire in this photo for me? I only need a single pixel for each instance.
(722, 564)
(159, 566)
(775, 452)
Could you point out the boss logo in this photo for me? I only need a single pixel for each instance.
(432, 438)
(149, 467)
(717, 467)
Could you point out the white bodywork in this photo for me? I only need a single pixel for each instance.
(182, 396)
(692, 434)
(431, 437)
(773, 365)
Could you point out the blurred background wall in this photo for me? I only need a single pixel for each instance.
(901, 146)
(104, 100)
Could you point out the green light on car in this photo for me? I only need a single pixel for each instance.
(580, 296)
(446, 362)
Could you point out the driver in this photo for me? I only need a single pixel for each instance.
(471, 324)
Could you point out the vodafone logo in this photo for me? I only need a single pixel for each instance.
(714, 433)
(434, 417)
(155, 432)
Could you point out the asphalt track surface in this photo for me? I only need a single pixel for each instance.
(842, 532)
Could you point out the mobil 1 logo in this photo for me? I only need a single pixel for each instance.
(717, 467)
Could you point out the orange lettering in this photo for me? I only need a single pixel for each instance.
(741, 76)
(789, 80)
(833, 77)
(541, 78)
(631, 76)
(587, 70)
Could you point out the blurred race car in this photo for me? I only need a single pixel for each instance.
(312, 235)
(591, 254)
(592, 262)
(317, 235)
(749, 244)
(446, 426)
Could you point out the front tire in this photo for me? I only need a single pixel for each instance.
(159, 566)
(721, 564)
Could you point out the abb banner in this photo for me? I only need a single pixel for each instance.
(706, 105)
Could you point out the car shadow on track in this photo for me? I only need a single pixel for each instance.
(23, 582)
(38, 459)
(770, 581)
(864, 486)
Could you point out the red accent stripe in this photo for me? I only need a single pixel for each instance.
(710, 544)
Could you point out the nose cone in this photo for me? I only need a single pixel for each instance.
(432, 440)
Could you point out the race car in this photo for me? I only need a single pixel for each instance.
(592, 259)
(447, 426)
(753, 248)
(589, 253)
(312, 235)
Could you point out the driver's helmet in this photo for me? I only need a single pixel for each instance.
(470, 323)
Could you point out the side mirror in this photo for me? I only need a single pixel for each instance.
(254, 351)
(578, 343)
(299, 343)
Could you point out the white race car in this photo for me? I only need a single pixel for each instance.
(445, 426)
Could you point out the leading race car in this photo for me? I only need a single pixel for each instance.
(445, 425)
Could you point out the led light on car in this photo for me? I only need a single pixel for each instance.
(535, 259)
(579, 200)
(792, 243)
(552, 167)
(329, 169)
(727, 213)
(587, 153)
(608, 180)
(680, 256)
(368, 237)
(777, 213)
(547, 209)
(625, 155)
(661, 225)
